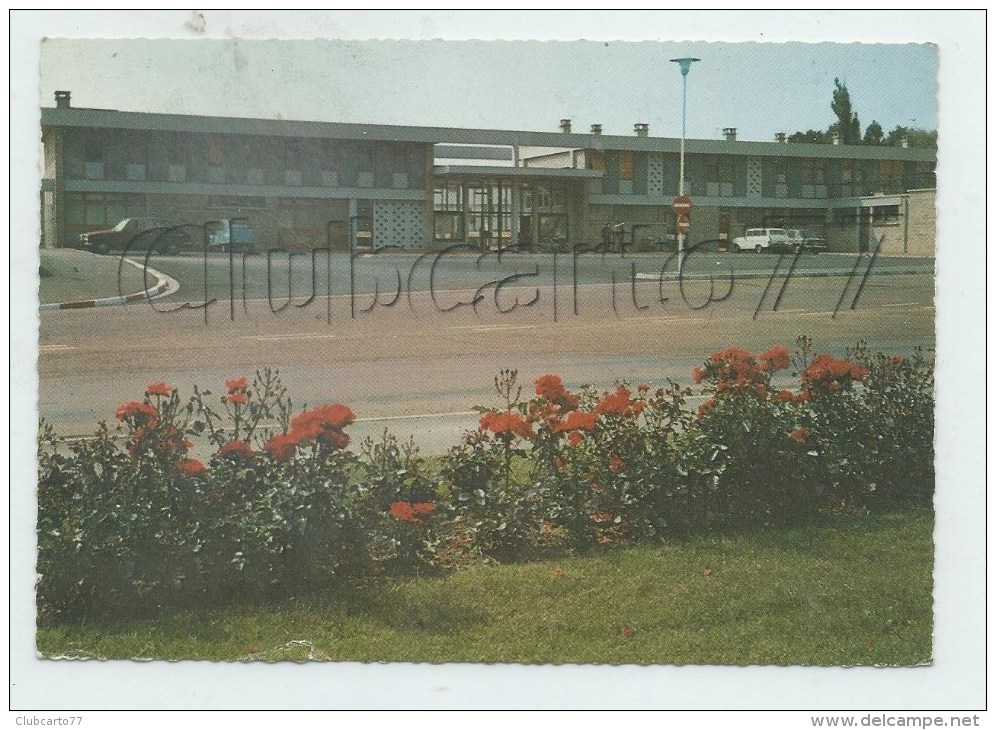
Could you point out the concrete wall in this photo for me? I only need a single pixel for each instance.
(922, 223)
(913, 233)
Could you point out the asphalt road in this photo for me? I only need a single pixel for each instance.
(279, 276)
(416, 359)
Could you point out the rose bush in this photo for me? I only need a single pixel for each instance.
(271, 501)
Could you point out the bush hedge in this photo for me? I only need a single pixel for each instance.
(128, 521)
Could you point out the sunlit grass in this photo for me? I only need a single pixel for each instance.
(855, 590)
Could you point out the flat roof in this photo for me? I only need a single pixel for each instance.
(144, 121)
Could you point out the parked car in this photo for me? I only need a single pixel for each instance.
(232, 234)
(806, 241)
(159, 233)
(761, 239)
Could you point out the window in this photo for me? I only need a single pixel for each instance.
(448, 212)
(814, 179)
(136, 158)
(720, 176)
(256, 162)
(177, 155)
(625, 173)
(216, 160)
(781, 178)
(489, 217)
(364, 167)
(851, 179)
(292, 164)
(890, 176)
(885, 215)
(925, 175)
(399, 163)
(304, 224)
(93, 158)
(330, 164)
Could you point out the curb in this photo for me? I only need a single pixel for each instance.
(164, 285)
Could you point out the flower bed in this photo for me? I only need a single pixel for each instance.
(282, 504)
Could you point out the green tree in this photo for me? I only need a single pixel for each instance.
(812, 136)
(915, 137)
(847, 124)
(874, 134)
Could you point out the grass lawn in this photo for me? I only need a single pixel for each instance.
(855, 590)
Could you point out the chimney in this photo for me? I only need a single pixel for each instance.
(781, 137)
(905, 142)
(835, 138)
(642, 129)
(62, 99)
(730, 133)
(565, 126)
(596, 128)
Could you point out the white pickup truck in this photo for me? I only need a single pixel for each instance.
(761, 239)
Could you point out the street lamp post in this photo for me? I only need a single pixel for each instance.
(684, 64)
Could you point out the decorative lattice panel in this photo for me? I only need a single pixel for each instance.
(655, 175)
(753, 177)
(399, 223)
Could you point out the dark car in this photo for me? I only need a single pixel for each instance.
(807, 241)
(156, 234)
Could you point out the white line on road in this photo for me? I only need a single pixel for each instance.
(492, 327)
(419, 415)
(56, 348)
(295, 336)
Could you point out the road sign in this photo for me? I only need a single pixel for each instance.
(684, 225)
(682, 205)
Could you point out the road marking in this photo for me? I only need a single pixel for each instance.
(419, 415)
(56, 348)
(492, 327)
(295, 336)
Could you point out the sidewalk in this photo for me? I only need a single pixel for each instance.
(69, 275)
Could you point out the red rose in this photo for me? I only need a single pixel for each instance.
(282, 447)
(238, 450)
(191, 468)
(236, 384)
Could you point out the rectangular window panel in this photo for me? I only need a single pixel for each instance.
(448, 226)
(94, 170)
(625, 167)
(216, 152)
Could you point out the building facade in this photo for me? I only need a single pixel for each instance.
(314, 184)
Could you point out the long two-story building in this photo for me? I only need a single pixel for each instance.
(312, 184)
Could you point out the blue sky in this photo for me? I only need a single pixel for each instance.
(760, 88)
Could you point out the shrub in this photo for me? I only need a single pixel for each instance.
(131, 528)
(131, 519)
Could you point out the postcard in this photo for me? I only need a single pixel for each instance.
(530, 356)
